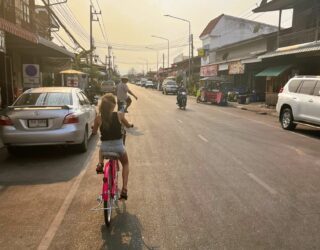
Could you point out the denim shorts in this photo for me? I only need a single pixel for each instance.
(122, 106)
(115, 146)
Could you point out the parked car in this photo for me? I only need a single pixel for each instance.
(149, 84)
(48, 116)
(299, 102)
(108, 86)
(169, 86)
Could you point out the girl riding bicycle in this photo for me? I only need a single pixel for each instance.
(110, 124)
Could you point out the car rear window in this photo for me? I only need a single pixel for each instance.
(171, 83)
(317, 89)
(294, 85)
(44, 99)
(307, 87)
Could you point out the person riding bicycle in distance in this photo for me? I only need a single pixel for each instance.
(124, 100)
(110, 124)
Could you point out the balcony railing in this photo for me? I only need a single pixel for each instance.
(289, 37)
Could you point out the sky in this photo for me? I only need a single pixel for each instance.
(128, 26)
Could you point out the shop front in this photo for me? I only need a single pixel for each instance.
(22, 55)
(275, 78)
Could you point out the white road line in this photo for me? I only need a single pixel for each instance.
(180, 121)
(48, 237)
(202, 138)
(297, 150)
(263, 184)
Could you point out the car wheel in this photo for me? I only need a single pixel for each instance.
(286, 119)
(83, 147)
(12, 150)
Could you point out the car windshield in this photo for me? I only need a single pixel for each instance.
(44, 99)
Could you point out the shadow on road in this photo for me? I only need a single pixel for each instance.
(42, 165)
(124, 233)
(314, 133)
(135, 132)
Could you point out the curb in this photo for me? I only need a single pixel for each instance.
(257, 111)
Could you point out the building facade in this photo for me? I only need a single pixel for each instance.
(297, 49)
(27, 54)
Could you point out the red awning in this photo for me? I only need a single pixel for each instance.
(17, 31)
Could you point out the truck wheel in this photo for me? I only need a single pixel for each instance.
(286, 119)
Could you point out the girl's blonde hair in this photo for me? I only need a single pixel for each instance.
(106, 108)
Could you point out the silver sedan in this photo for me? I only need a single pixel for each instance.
(48, 116)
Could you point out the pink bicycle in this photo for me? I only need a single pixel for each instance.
(110, 192)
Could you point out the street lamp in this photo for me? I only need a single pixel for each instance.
(185, 20)
(157, 59)
(168, 46)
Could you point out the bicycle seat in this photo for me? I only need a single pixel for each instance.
(110, 155)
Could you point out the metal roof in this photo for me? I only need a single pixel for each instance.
(291, 50)
(276, 5)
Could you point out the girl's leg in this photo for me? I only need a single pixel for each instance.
(125, 171)
(100, 164)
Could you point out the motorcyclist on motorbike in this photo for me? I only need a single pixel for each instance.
(181, 88)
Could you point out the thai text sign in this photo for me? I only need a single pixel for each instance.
(209, 70)
(236, 68)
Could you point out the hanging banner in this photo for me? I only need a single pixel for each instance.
(236, 68)
(2, 42)
(209, 70)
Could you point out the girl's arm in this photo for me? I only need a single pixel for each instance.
(123, 120)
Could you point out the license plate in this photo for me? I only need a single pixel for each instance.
(37, 123)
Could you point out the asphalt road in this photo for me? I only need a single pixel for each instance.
(205, 178)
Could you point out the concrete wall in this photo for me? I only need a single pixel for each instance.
(241, 51)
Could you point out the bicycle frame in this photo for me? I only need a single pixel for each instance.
(110, 171)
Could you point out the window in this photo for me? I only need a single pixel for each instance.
(316, 91)
(44, 99)
(307, 87)
(25, 13)
(81, 99)
(294, 85)
(86, 101)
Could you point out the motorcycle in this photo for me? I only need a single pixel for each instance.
(182, 100)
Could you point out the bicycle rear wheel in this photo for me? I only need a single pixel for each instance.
(107, 204)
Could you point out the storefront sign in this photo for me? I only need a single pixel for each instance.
(201, 52)
(236, 68)
(72, 81)
(17, 31)
(31, 75)
(209, 70)
(223, 67)
(2, 42)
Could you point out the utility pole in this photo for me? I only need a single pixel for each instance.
(192, 62)
(109, 64)
(92, 13)
(163, 61)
